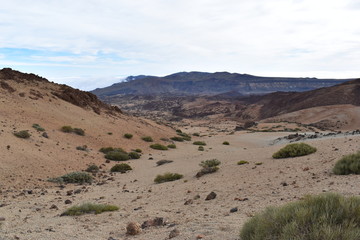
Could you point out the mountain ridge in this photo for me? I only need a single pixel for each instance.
(203, 83)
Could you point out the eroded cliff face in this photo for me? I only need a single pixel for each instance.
(199, 83)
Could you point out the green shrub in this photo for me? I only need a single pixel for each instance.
(67, 129)
(226, 143)
(89, 208)
(38, 127)
(201, 143)
(134, 155)
(110, 133)
(178, 131)
(167, 177)
(171, 146)
(73, 177)
(177, 138)
(185, 136)
(79, 131)
(196, 134)
(206, 170)
(117, 156)
(128, 135)
(22, 134)
(294, 150)
(209, 166)
(138, 150)
(92, 168)
(106, 149)
(349, 164)
(201, 148)
(258, 163)
(210, 163)
(122, 167)
(326, 216)
(158, 146)
(82, 148)
(242, 162)
(147, 139)
(162, 162)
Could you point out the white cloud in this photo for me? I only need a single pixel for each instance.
(160, 37)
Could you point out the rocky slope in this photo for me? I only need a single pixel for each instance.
(202, 83)
(233, 106)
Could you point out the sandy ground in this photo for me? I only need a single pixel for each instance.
(28, 216)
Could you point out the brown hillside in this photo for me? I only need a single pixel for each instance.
(281, 102)
(26, 99)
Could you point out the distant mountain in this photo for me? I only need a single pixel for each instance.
(202, 83)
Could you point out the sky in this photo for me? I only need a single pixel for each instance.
(91, 43)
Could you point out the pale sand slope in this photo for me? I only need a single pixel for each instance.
(30, 161)
(30, 216)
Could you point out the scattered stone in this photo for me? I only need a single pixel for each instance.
(45, 135)
(211, 196)
(174, 233)
(67, 201)
(69, 193)
(54, 207)
(2, 219)
(133, 228)
(188, 202)
(77, 191)
(200, 236)
(235, 209)
(241, 199)
(284, 184)
(156, 222)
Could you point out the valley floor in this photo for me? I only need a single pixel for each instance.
(250, 188)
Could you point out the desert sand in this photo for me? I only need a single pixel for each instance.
(250, 188)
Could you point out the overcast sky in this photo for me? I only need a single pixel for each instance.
(93, 43)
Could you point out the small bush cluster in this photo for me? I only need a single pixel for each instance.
(184, 136)
(242, 162)
(22, 134)
(82, 148)
(162, 162)
(122, 168)
(138, 150)
(73, 177)
(92, 168)
(226, 143)
(118, 154)
(210, 163)
(134, 155)
(201, 148)
(69, 129)
(38, 127)
(128, 135)
(326, 216)
(88, 208)
(208, 166)
(167, 177)
(196, 134)
(200, 143)
(158, 146)
(349, 164)
(294, 150)
(147, 139)
(177, 139)
(171, 146)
